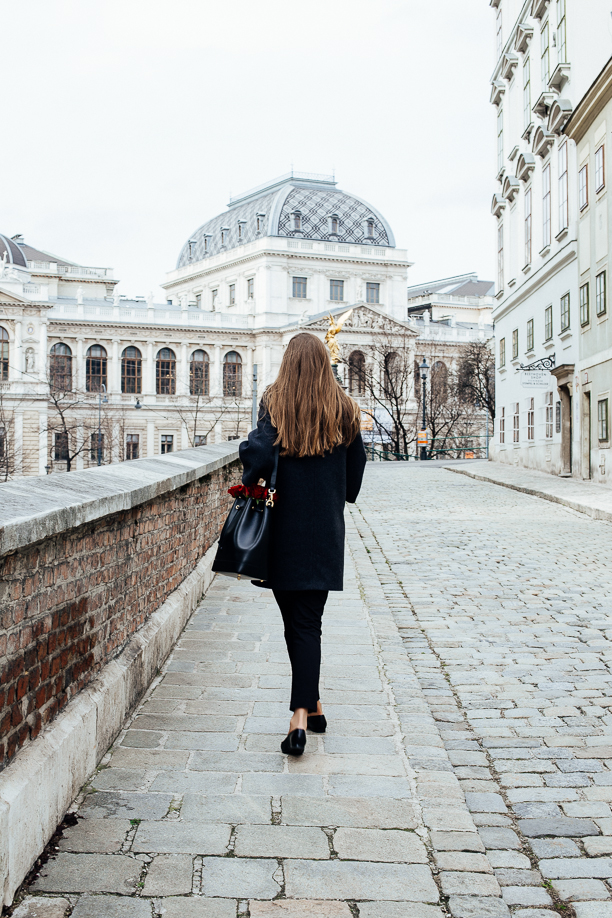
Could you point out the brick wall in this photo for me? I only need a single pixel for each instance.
(69, 603)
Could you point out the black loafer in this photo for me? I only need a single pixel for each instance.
(294, 743)
(317, 723)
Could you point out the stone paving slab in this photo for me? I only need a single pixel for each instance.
(472, 765)
(506, 618)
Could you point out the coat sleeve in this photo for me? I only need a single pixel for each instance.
(355, 466)
(257, 452)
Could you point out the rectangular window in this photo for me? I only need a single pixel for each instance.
(199, 300)
(558, 417)
(373, 293)
(232, 294)
(548, 323)
(502, 352)
(299, 288)
(502, 426)
(565, 312)
(603, 430)
(336, 290)
(96, 446)
(583, 187)
(600, 294)
(531, 419)
(498, 33)
(530, 334)
(528, 226)
(563, 189)
(585, 316)
(199, 440)
(132, 446)
(167, 443)
(500, 139)
(549, 415)
(516, 421)
(545, 55)
(515, 344)
(526, 92)
(600, 168)
(500, 255)
(546, 206)
(561, 32)
(250, 288)
(60, 450)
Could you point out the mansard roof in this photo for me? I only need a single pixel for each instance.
(271, 209)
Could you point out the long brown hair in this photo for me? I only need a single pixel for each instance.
(310, 411)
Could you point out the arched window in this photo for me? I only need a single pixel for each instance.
(4, 354)
(232, 374)
(95, 368)
(439, 380)
(131, 370)
(392, 375)
(357, 373)
(297, 221)
(334, 225)
(199, 373)
(60, 368)
(165, 372)
(370, 229)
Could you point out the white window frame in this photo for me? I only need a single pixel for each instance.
(561, 32)
(545, 55)
(526, 91)
(563, 188)
(583, 187)
(546, 205)
(600, 168)
(528, 225)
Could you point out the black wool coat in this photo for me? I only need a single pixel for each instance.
(307, 535)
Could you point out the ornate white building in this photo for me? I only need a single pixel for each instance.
(89, 376)
(548, 54)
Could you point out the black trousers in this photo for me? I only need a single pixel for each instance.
(302, 612)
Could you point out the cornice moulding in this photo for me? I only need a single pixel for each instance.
(498, 89)
(560, 113)
(538, 8)
(525, 166)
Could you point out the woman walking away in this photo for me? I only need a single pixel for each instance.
(321, 464)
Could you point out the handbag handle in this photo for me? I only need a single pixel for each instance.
(272, 484)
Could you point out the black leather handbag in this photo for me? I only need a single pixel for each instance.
(245, 538)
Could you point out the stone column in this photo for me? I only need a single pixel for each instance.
(216, 378)
(79, 371)
(151, 438)
(16, 358)
(148, 375)
(564, 375)
(114, 376)
(182, 387)
(43, 357)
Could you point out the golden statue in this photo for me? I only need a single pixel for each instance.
(332, 331)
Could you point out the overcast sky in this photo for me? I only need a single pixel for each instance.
(128, 123)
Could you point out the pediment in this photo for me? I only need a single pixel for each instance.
(363, 318)
(560, 113)
(510, 187)
(542, 141)
(524, 34)
(525, 165)
(538, 8)
(497, 205)
(12, 300)
(509, 64)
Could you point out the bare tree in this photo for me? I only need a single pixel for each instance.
(385, 382)
(476, 375)
(8, 457)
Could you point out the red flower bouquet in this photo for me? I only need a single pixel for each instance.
(257, 493)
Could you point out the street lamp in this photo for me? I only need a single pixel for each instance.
(100, 400)
(424, 370)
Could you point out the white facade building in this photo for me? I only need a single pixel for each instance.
(548, 53)
(136, 378)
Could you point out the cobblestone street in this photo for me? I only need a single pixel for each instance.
(467, 767)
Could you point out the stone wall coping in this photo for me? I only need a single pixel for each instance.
(32, 509)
